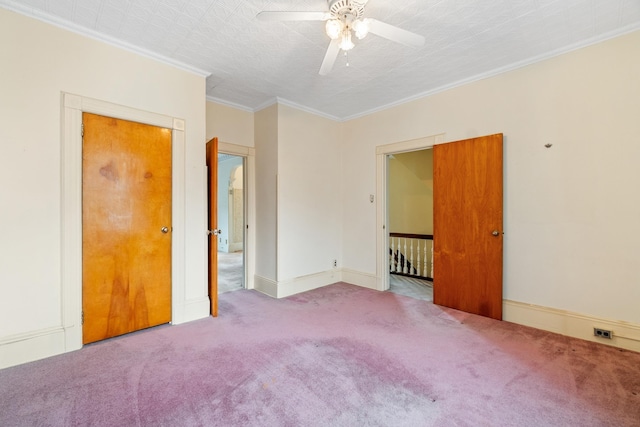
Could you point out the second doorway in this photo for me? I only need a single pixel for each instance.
(231, 223)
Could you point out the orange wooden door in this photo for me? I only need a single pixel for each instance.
(467, 208)
(212, 196)
(126, 227)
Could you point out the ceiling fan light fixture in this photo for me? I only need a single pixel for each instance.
(334, 28)
(361, 28)
(346, 43)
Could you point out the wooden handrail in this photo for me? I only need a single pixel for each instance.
(412, 236)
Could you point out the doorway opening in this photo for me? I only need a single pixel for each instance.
(410, 223)
(385, 258)
(231, 223)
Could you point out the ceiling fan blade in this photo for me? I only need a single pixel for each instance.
(394, 33)
(293, 16)
(330, 57)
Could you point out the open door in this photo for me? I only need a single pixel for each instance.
(212, 195)
(467, 221)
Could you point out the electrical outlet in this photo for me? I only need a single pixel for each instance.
(602, 333)
(335, 263)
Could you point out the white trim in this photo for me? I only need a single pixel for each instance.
(35, 13)
(267, 103)
(301, 107)
(230, 104)
(286, 102)
(288, 287)
(249, 154)
(382, 234)
(266, 286)
(306, 283)
(73, 107)
(625, 335)
(501, 70)
(194, 309)
(366, 280)
(35, 345)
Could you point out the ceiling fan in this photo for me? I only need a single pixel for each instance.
(344, 18)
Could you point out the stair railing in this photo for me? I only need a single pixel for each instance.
(411, 255)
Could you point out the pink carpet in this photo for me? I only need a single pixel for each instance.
(336, 356)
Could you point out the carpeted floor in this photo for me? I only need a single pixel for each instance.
(335, 356)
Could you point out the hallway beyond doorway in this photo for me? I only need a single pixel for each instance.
(230, 268)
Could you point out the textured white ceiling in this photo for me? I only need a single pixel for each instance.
(250, 63)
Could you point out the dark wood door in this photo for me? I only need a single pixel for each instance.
(467, 207)
(126, 227)
(212, 195)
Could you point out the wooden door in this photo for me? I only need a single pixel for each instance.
(467, 207)
(126, 227)
(212, 196)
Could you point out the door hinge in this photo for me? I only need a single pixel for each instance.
(82, 318)
(82, 130)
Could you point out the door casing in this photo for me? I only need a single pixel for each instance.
(249, 156)
(382, 216)
(71, 236)
(382, 235)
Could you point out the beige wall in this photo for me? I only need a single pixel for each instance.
(410, 192)
(309, 193)
(266, 144)
(571, 211)
(39, 62)
(230, 124)
(298, 195)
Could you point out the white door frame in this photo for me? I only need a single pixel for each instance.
(382, 210)
(249, 166)
(71, 257)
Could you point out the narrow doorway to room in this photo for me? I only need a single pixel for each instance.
(231, 223)
(410, 219)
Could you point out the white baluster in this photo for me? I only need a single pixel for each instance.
(425, 269)
(391, 267)
(398, 266)
(404, 266)
(432, 274)
(418, 258)
(411, 258)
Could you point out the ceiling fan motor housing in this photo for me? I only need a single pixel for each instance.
(344, 8)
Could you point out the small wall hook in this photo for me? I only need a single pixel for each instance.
(548, 145)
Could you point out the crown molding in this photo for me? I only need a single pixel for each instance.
(95, 35)
(230, 104)
(497, 71)
(301, 107)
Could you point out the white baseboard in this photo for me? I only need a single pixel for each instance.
(235, 247)
(36, 345)
(306, 283)
(624, 335)
(288, 287)
(266, 286)
(194, 309)
(358, 278)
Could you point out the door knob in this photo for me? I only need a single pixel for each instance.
(165, 230)
(215, 232)
(495, 233)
